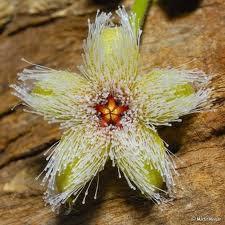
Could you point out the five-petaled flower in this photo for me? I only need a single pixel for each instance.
(110, 111)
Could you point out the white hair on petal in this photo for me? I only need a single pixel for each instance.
(91, 152)
(136, 148)
(122, 63)
(48, 80)
(59, 96)
(160, 102)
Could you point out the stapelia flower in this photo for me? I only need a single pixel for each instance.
(110, 111)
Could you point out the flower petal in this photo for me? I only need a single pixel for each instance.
(50, 92)
(110, 51)
(167, 94)
(143, 159)
(74, 162)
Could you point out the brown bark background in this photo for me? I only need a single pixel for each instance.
(50, 32)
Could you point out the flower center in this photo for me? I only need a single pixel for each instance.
(111, 112)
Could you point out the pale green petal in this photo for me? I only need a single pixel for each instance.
(77, 159)
(142, 157)
(66, 178)
(110, 51)
(50, 92)
(167, 94)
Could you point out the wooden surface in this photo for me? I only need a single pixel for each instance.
(50, 32)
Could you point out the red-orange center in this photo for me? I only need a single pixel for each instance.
(111, 112)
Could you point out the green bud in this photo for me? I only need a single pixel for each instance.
(140, 8)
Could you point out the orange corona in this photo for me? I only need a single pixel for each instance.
(111, 112)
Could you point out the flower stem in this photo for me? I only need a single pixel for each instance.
(140, 8)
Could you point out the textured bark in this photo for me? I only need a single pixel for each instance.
(50, 32)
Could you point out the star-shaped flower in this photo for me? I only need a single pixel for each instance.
(110, 111)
